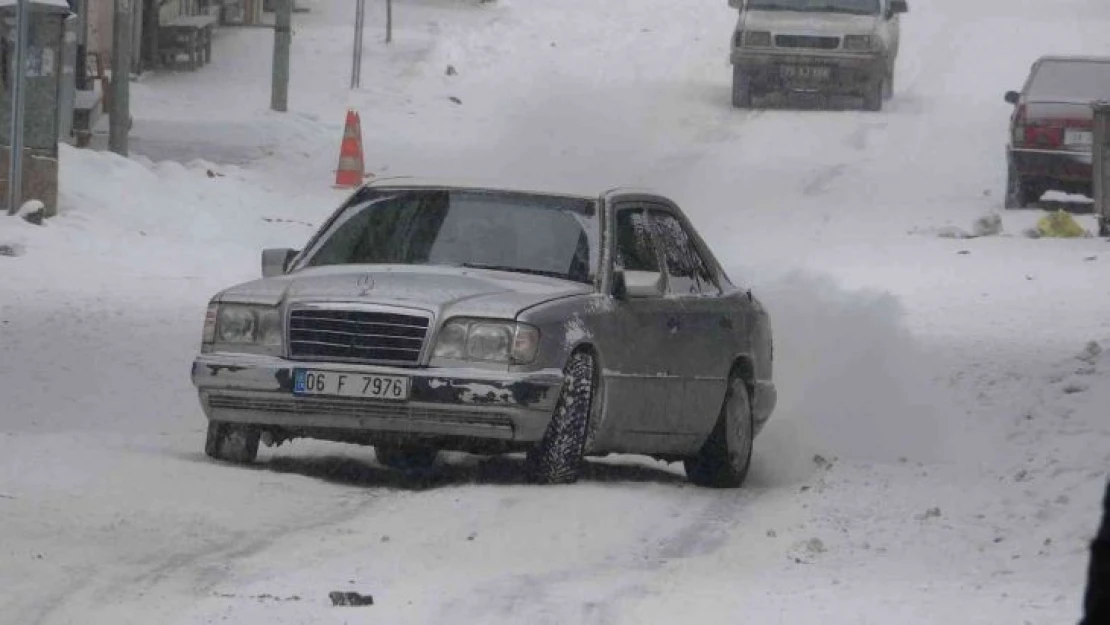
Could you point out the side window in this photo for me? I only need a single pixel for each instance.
(687, 270)
(635, 246)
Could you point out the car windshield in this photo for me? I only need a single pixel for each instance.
(861, 7)
(1071, 81)
(526, 233)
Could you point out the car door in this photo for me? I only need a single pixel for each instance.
(701, 327)
(637, 382)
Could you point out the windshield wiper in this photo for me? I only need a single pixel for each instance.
(535, 272)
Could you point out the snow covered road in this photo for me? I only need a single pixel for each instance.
(941, 442)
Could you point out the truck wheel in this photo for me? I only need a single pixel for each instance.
(232, 442)
(724, 459)
(873, 97)
(558, 458)
(406, 457)
(741, 88)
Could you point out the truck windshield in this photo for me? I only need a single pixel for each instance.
(525, 233)
(857, 7)
(1071, 81)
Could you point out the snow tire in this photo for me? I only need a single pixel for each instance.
(873, 98)
(1018, 194)
(558, 457)
(724, 458)
(741, 88)
(231, 442)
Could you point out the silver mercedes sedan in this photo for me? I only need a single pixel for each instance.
(423, 317)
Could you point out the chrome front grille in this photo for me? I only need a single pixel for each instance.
(807, 41)
(363, 336)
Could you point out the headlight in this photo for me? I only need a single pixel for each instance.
(858, 43)
(243, 324)
(757, 39)
(487, 341)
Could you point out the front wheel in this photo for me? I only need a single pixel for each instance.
(558, 458)
(741, 88)
(232, 442)
(873, 97)
(724, 459)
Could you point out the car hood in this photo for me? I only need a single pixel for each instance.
(443, 291)
(809, 23)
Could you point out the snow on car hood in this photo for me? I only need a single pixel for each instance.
(809, 23)
(440, 290)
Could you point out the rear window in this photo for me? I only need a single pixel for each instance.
(1071, 81)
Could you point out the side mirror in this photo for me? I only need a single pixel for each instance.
(899, 6)
(275, 261)
(638, 284)
(1012, 97)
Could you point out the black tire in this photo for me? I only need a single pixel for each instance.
(1018, 193)
(888, 86)
(558, 458)
(1103, 227)
(873, 97)
(741, 88)
(408, 458)
(724, 459)
(232, 442)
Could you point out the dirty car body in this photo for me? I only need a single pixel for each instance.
(445, 316)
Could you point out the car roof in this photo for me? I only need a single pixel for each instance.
(416, 182)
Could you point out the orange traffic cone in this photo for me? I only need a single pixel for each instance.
(351, 167)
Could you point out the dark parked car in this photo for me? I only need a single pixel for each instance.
(425, 317)
(1051, 128)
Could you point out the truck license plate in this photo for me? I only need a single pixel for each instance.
(806, 72)
(344, 384)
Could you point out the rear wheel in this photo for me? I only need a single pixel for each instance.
(1103, 227)
(1019, 194)
(741, 88)
(724, 459)
(232, 442)
(558, 458)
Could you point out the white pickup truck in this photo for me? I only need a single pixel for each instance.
(822, 47)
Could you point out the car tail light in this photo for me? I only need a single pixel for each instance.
(1044, 135)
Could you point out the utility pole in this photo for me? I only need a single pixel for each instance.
(15, 158)
(356, 60)
(119, 117)
(388, 21)
(283, 36)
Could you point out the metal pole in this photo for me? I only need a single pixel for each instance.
(1100, 171)
(119, 117)
(388, 21)
(283, 36)
(356, 59)
(15, 160)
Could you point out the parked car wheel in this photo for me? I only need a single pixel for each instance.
(888, 86)
(873, 97)
(231, 442)
(406, 457)
(741, 88)
(1103, 227)
(558, 458)
(724, 459)
(1018, 193)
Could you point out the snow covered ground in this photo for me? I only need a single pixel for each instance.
(942, 438)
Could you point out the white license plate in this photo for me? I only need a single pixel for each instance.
(345, 384)
(812, 72)
(1077, 137)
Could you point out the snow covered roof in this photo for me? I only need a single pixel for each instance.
(51, 5)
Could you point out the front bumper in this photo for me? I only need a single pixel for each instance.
(848, 73)
(472, 403)
(1053, 165)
